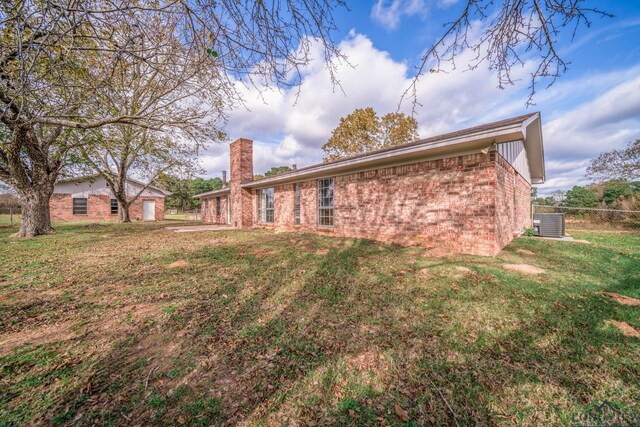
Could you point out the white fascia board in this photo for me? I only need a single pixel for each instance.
(534, 146)
(212, 193)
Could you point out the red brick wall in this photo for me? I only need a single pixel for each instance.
(513, 202)
(98, 208)
(210, 215)
(241, 157)
(460, 204)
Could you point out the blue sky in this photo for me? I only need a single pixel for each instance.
(594, 107)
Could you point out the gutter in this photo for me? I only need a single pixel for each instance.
(212, 193)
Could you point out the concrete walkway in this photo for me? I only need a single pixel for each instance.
(192, 228)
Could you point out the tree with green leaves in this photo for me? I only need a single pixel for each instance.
(363, 131)
(275, 170)
(183, 189)
(580, 197)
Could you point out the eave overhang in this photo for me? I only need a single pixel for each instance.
(528, 129)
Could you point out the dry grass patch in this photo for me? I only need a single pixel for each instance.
(45, 334)
(626, 329)
(178, 264)
(622, 299)
(524, 252)
(524, 268)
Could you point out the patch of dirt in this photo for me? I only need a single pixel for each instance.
(368, 361)
(260, 254)
(50, 293)
(179, 263)
(581, 241)
(626, 329)
(524, 268)
(322, 252)
(46, 334)
(463, 269)
(622, 299)
(424, 272)
(525, 252)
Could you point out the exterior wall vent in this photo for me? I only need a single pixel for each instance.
(549, 224)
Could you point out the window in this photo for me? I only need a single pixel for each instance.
(265, 205)
(114, 207)
(206, 206)
(80, 206)
(325, 202)
(296, 202)
(218, 206)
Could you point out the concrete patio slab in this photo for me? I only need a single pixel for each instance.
(193, 228)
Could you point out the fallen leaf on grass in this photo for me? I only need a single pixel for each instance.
(401, 413)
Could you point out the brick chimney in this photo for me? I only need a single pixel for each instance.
(224, 179)
(241, 156)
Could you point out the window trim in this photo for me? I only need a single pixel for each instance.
(116, 206)
(263, 212)
(296, 203)
(74, 207)
(330, 185)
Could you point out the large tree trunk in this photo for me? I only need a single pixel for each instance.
(123, 212)
(33, 180)
(36, 219)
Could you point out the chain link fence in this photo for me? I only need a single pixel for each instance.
(10, 215)
(183, 215)
(594, 218)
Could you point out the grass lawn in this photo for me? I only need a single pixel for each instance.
(179, 217)
(5, 220)
(133, 325)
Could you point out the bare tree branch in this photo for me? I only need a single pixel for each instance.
(512, 33)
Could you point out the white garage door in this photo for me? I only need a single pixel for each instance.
(148, 210)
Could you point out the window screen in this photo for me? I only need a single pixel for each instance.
(80, 206)
(265, 205)
(114, 207)
(296, 202)
(325, 202)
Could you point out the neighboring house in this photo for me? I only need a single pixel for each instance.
(90, 198)
(461, 192)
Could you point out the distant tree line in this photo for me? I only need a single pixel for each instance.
(612, 194)
(183, 189)
(617, 183)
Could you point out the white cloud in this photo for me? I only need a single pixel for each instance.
(581, 117)
(292, 129)
(575, 136)
(389, 13)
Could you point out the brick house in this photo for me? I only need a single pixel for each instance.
(462, 192)
(89, 198)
